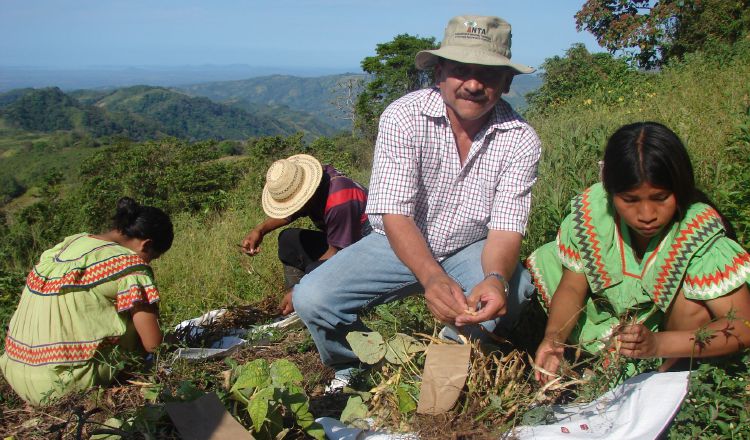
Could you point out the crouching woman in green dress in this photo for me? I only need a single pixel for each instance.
(642, 262)
(87, 300)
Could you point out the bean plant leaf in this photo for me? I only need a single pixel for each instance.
(355, 410)
(284, 372)
(401, 348)
(406, 402)
(254, 374)
(297, 401)
(368, 346)
(258, 407)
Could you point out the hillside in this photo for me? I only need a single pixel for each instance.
(143, 112)
(317, 96)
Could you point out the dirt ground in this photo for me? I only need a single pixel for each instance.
(80, 415)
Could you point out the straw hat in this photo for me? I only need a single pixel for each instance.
(290, 183)
(474, 39)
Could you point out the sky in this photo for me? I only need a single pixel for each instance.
(331, 34)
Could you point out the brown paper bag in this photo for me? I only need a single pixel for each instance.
(205, 418)
(445, 370)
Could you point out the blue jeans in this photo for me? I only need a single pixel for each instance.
(368, 273)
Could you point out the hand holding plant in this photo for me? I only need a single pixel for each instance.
(637, 341)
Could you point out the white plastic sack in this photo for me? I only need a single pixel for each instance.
(193, 328)
(335, 430)
(640, 408)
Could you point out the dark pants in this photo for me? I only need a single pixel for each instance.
(299, 251)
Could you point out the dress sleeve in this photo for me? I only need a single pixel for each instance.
(567, 248)
(135, 287)
(720, 268)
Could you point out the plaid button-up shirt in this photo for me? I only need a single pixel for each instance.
(417, 172)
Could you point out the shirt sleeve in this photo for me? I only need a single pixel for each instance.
(393, 185)
(567, 248)
(512, 202)
(720, 268)
(135, 287)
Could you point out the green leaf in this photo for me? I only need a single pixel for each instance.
(355, 410)
(406, 402)
(258, 407)
(254, 374)
(368, 346)
(283, 372)
(152, 392)
(297, 401)
(401, 348)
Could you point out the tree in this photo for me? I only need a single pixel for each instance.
(655, 31)
(394, 74)
(578, 72)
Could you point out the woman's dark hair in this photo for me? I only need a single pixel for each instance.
(144, 222)
(651, 152)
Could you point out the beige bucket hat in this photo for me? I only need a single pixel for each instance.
(290, 183)
(474, 39)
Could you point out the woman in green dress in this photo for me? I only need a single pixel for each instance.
(87, 300)
(642, 262)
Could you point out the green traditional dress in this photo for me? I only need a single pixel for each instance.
(693, 256)
(73, 318)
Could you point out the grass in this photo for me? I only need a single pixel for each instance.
(706, 103)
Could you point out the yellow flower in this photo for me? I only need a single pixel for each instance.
(587, 102)
(620, 99)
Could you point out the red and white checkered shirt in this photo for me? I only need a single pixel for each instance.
(417, 172)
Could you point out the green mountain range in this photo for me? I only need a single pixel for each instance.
(144, 112)
(317, 96)
(324, 96)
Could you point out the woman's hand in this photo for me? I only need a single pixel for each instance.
(637, 341)
(548, 358)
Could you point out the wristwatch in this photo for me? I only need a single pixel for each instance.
(499, 278)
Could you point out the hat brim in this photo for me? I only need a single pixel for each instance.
(428, 58)
(312, 174)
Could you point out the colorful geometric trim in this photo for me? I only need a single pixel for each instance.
(538, 280)
(83, 277)
(590, 248)
(55, 353)
(136, 293)
(692, 235)
(569, 256)
(720, 282)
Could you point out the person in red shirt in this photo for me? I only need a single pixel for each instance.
(300, 186)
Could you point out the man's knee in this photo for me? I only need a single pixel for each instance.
(309, 298)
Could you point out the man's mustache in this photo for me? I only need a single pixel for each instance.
(480, 98)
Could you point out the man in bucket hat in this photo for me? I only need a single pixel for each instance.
(300, 186)
(449, 199)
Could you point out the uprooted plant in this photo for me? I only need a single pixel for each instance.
(499, 387)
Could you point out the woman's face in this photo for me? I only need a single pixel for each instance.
(647, 209)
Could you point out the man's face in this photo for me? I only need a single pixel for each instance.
(471, 90)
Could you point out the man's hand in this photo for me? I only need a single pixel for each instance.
(445, 298)
(490, 295)
(548, 358)
(286, 307)
(637, 341)
(252, 241)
